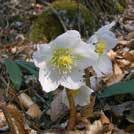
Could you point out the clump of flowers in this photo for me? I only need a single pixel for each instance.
(101, 42)
(63, 60)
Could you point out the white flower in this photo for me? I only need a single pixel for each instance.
(63, 60)
(81, 96)
(101, 42)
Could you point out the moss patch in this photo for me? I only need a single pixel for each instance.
(47, 25)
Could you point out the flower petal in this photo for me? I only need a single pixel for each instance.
(106, 27)
(73, 80)
(103, 66)
(68, 39)
(110, 40)
(82, 49)
(93, 39)
(82, 99)
(64, 97)
(84, 96)
(49, 79)
(87, 54)
(42, 55)
(105, 34)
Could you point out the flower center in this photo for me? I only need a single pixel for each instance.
(62, 59)
(65, 60)
(100, 47)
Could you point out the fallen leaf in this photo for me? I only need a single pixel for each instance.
(124, 64)
(130, 35)
(112, 55)
(34, 111)
(3, 122)
(25, 100)
(96, 128)
(116, 77)
(57, 107)
(16, 120)
(129, 56)
(119, 109)
(129, 27)
(104, 119)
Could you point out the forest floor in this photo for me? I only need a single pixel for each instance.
(32, 111)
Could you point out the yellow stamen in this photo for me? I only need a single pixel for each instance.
(63, 59)
(100, 47)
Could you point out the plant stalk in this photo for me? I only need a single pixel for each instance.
(72, 118)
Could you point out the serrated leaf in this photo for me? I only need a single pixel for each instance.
(29, 66)
(14, 72)
(119, 88)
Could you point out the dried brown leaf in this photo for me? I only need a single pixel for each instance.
(25, 100)
(34, 111)
(129, 56)
(16, 120)
(112, 55)
(116, 77)
(104, 119)
(96, 128)
(124, 64)
(130, 35)
(3, 122)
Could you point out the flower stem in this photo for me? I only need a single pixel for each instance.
(72, 118)
(89, 110)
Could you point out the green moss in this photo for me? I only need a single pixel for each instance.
(105, 6)
(47, 25)
(121, 5)
(111, 6)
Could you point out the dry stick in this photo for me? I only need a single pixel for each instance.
(72, 118)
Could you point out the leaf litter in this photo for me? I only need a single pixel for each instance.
(117, 118)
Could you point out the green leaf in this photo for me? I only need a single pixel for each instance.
(29, 66)
(14, 72)
(119, 88)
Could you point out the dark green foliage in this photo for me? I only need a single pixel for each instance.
(29, 66)
(119, 88)
(14, 73)
(15, 69)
